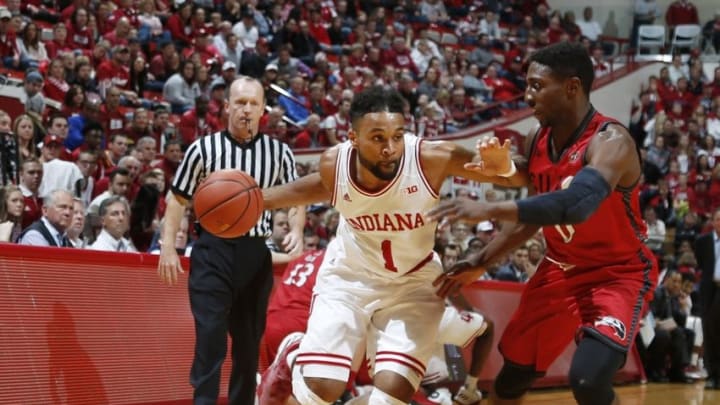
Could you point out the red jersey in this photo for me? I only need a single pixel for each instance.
(294, 293)
(614, 234)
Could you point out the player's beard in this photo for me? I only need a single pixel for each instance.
(377, 170)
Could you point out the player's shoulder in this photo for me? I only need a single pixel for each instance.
(613, 132)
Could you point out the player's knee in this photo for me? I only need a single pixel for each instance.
(590, 392)
(513, 381)
(394, 384)
(379, 397)
(307, 396)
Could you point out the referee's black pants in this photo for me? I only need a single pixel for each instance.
(229, 286)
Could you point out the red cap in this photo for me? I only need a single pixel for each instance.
(50, 139)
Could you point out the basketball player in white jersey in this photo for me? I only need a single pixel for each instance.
(375, 284)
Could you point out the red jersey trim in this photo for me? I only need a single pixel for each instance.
(335, 183)
(401, 358)
(382, 191)
(432, 191)
(420, 265)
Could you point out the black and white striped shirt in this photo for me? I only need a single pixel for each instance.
(267, 160)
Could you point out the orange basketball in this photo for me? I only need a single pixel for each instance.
(228, 203)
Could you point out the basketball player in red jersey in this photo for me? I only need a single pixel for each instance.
(598, 276)
(289, 306)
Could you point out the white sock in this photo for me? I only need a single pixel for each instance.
(694, 359)
(471, 382)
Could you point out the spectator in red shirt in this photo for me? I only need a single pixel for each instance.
(681, 12)
(162, 129)
(68, 11)
(55, 85)
(79, 34)
(31, 172)
(555, 31)
(313, 136)
(125, 9)
(116, 72)
(197, 122)
(180, 24)
(8, 42)
(503, 89)
(60, 42)
(203, 47)
(170, 161)
(121, 33)
(399, 56)
(160, 64)
(461, 108)
(139, 126)
(112, 119)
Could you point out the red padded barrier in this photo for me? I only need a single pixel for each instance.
(498, 300)
(99, 328)
(92, 328)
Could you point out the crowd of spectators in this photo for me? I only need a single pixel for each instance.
(116, 90)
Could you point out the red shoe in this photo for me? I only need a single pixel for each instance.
(275, 388)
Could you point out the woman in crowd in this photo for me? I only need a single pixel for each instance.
(12, 205)
(24, 129)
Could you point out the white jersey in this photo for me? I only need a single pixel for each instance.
(385, 231)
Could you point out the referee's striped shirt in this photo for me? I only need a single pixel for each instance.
(266, 159)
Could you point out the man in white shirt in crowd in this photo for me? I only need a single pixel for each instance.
(50, 229)
(115, 217)
(588, 27)
(58, 174)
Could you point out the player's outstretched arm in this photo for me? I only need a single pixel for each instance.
(454, 158)
(475, 264)
(612, 161)
(310, 189)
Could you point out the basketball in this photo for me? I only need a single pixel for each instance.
(228, 203)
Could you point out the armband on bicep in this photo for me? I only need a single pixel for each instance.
(572, 205)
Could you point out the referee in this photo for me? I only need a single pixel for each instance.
(230, 279)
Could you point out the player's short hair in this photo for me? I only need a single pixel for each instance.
(567, 60)
(375, 99)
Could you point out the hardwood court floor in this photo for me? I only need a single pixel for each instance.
(639, 394)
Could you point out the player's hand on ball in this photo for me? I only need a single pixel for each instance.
(492, 158)
(459, 275)
(169, 266)
(460, 208)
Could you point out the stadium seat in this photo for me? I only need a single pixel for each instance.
(651, 36)
(685, 36)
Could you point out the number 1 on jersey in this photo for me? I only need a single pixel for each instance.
(387, 255)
